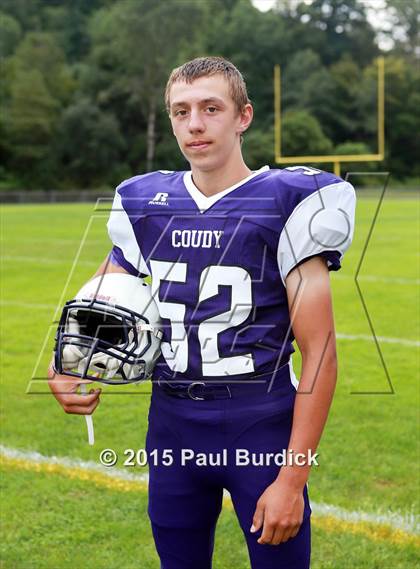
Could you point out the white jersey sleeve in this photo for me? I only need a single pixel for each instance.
(126, 250)
(322, 222)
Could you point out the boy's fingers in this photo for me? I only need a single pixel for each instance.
(80, 400)
(267, 534)
(67, 384)
(77, 410)
(278, 536)
(257, 519)
(80, 381)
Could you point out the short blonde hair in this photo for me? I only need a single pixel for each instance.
(205, 67)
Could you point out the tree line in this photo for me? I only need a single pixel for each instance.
(82, 83)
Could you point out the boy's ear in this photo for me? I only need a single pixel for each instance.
(247, 114)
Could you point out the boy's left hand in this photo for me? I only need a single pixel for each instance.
(280, 511)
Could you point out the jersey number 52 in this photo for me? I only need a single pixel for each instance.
(176, 352)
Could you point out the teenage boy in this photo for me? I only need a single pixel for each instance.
(240, 263)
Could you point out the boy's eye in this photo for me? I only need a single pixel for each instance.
(180, 113)
(211, 109)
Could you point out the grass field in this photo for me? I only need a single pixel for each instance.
(56, 518)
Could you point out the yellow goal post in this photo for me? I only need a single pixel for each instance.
(337, 158)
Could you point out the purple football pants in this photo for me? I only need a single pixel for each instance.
(185, 497)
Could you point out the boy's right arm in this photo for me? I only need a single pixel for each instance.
(64, 387)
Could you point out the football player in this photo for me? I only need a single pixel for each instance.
(239, 262)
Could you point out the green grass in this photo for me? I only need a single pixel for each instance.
(367, 455)
(69, 523)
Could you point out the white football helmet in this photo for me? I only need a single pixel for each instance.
(110, 332)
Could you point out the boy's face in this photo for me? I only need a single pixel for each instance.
(206, 122)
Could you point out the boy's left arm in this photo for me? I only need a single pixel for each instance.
(280, 508)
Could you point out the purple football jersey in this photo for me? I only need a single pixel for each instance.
(218, 264)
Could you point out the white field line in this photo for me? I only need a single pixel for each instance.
(50, 241)
(88, 465)
(44, 261)
(405, 522)
(383, 339)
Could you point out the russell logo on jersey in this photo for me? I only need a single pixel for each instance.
(161, 198)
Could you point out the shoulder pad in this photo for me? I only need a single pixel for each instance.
(305, 177)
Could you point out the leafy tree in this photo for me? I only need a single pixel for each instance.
(341, 97)
(404, 25)
(302, 135)
(356, 148)
(255, 42)
(134, 46)
(39, 84)
(68, 21)
(90, 74)
(29, 125)
(308, 85)
(10, 34)
(258, 147)
(40, 51)
(168, 154)
(89, 146)
(347, 78)
(69, 26)
(26, 12)
(402, 102)
(339, 27)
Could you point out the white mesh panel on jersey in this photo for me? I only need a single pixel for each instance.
(122, 235)
(324, 221)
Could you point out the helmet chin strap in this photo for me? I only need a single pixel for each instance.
(83, 388)
(111, 366)
(89, 418)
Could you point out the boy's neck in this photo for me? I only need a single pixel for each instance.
(214, 181)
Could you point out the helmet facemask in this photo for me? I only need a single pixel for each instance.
(103, 342)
